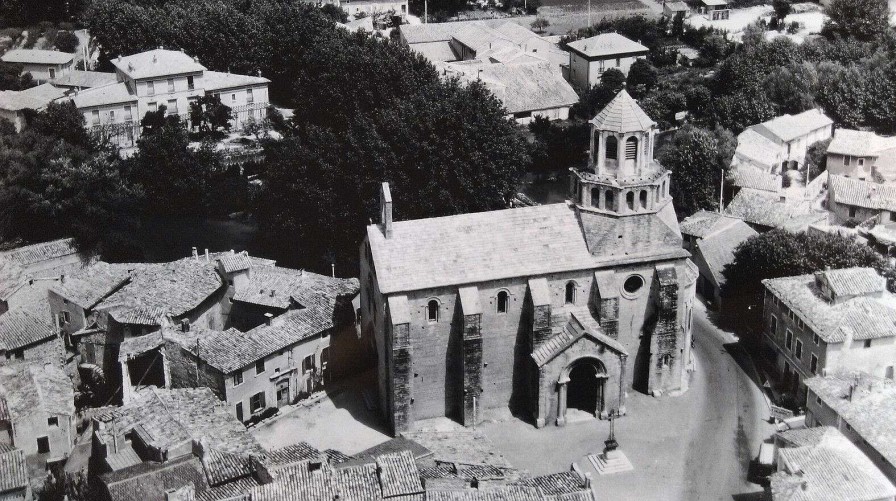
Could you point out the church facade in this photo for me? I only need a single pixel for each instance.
(547, 310)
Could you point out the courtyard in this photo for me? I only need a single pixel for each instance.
(676, 444)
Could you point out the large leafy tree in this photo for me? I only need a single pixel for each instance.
(697, 159)
(860, 19)
(843, 92)
(445, 151)
(780, 253)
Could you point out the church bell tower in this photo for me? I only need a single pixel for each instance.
(622, 178)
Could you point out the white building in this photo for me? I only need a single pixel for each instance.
(781, 142)
(43, 65)
(160, 77)
(590, 57)
(863, 155)
(13, 103)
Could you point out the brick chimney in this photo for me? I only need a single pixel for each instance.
(386, 210)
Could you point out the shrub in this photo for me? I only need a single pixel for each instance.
(66, 41)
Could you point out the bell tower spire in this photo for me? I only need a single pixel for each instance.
(622, 178)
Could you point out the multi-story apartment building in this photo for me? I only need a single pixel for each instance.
(832, 320)
(159, 77)
(590, 57)
(44, 65)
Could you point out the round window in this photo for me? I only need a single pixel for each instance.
(633, 284)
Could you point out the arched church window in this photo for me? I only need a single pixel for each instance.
(595, 197)
(643, 197)
(630, 200)
(611, 147)
(432, 310)
(631, 148)
(570, 292)
(608, 200)
(503, 299)
(666, 360)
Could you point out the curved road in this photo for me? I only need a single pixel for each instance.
(730, 420)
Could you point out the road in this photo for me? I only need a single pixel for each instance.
(731, 416)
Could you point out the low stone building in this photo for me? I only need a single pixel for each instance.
(765, 211)
(711, 238)
(862, 155)
(851, 199)
(832, 320)
(540, 308)
(781, 143)
(37, 410)
(44, 65)
(821, 464)
(862, 408)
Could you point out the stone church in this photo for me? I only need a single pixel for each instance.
(549, 310)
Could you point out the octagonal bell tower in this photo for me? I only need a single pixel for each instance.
(622, 178)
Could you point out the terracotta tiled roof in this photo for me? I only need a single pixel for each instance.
(702, 223)
(221, 467)
(124, 458)
(833, 468)
(290, 454)
(717, 248)
(766, 209)
(622, 115)
(156, 63)
(607, 44)
(216, 80)
(284, 287)
(166, 418)
(789, 127)
(856, 318)
(398, 474)
(855, 281)
(45, 251)
(858, 193)
(12, 277)
(361, 482)
(871, 412)
(800, 437)
(28, 387)
(748, 176)
(502, 493)
(859, 143)
(19, 328)
(557, 483)
(37, 56)
(103, 95)
(235, 262)
(85, 79)
(521, 87)
(298, 482)
(13, 470)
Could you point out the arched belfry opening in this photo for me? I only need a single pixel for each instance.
(631, 153)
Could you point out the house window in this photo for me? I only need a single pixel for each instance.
(259, 366)
(308, 364)
(238, 378)
(324, 358)
(52, 73)
(502, 301)
(249, 97)
(799, 350)
(43, 445)
(65, 317)
(95, 117)
(852, 212)
(788, 339)
(150, 89)
(773, 325)
(867, 344)
(153, 107)
(860, 162)
(570, 295)
(432, 310)
(172, 106)
(53, 421)
(815, 339)
(170, 85)
(239, 411)
(256, 403)
(813, 364)
(618, 62)
(111, 116)
(190, 82)
(233, 98)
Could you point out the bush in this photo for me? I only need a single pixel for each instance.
(66, 41)
(793, 27)
(785, 180)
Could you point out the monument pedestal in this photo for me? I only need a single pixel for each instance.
(609, 462)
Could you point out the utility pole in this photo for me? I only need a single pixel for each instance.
(589, 13)
(721, 191)
(197, 362)
(425, 11)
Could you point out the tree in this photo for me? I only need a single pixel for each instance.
(780, 253)
(792, 88)
(843, 93)
(540, 24)
(597, 96)
(816, 158)
(475, 168)
(738, 111)
(66, 41)
(63, 121)
(209, 114)
(859, 19)
(642, 78)
(697, 159)
(12, 78)
(782, 9)
(334, 12)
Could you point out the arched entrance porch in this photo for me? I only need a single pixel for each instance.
(582, 386)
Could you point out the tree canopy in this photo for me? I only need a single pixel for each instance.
(697, 159)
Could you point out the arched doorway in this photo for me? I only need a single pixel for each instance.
(585, 389)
